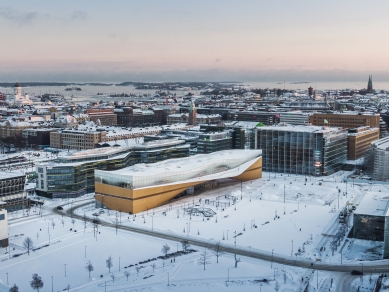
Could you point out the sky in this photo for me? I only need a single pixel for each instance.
(175, 40)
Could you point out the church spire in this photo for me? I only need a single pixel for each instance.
(370, 84)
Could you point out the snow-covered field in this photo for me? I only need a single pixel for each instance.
(70, 251)
(311, 214)
(311, 207)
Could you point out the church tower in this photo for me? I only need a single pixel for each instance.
(192, 114)
(370, 84)
(17, 89)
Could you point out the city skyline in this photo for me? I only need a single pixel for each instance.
(171, 40)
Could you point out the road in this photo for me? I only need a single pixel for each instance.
(381, 266)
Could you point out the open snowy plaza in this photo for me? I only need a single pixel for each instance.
(285, 216)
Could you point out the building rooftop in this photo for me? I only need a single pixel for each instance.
(221, 164)
(374, 204)
(382, 144)
(300, 128)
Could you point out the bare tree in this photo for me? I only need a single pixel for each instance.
(113, 277)
(68, 287)
(333, 245)
(204, 258)
(36, 282)
(109, 264)
(89, 267)
(137, 268)
(28, 244)
(53, 223)
(73, 221)
(165, 249)
(14, 288)
(285, 277)
(277, 286)
(185, 245)
(216, 250)
(85, 220)
(237, 260)
(127, 274)
(153, 266)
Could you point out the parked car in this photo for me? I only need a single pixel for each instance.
(59, 208)
(356, 272)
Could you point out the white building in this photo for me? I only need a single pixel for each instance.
(18, 98)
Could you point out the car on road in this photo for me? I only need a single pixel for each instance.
(356, 272)
(59, 208)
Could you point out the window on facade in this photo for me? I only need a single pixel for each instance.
(2, 216)
(40, 169)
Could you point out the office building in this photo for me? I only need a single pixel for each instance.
(72, 139)
(309, 150)
(266, 118)
(371, 220)
(360, 139)
(12, 195)
(145, 186)
(104, 117)
(294, 118)
(73, 175)
(345, 120)
(212, 142)
(3, 228)
(377, 160)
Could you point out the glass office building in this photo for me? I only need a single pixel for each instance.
(371, 220)
(309, 150)
(73, 176)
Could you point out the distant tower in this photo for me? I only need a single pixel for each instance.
(17, 89)
(370, 84)
(192, 114)
(310, 91)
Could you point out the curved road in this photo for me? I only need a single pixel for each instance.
(381, 266)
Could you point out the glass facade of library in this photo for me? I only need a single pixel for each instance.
(75, 180)
(298, 152)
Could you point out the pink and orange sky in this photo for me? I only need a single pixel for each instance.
(160, 40)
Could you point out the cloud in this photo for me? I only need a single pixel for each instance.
(217, 60)
(21, 18)
(79, 15)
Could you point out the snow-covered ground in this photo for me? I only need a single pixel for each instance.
(70, 251)
(313, 207)
(310, 218)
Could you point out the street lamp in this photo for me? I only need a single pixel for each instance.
(272, 258)
(284, 199)
(227, 234)
(235, 238)
(7, 278)
(85, 251)
(119, 264)
(291, 254)
(65, 270)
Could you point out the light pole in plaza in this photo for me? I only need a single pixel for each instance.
(284, 199)
(272, 258)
